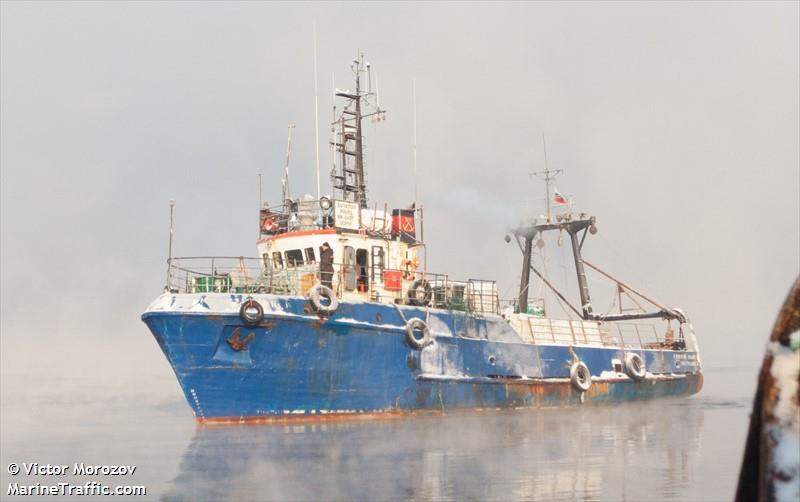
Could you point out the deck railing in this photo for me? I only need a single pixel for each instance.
(228, 274)
(579, 332)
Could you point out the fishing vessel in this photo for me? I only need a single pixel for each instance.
(338, 316)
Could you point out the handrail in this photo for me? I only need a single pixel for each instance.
(238, 274)
(252, 274)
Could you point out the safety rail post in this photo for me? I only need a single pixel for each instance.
(621, 338)
(270, 278)
(552, 333)
(530, 330)
(638, 335)
(572, 332)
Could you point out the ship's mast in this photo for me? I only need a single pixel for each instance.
(348, 141)
(547, 175)
(575, 225)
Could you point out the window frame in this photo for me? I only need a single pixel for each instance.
(291, 262)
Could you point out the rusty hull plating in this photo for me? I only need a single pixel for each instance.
(297, 366)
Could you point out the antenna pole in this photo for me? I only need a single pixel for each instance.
(316, 109)
(286, 192)
(547, 175)
(414, 98)
(333, 131)
(171, 233)
(377, 91)
(361, 197)
(260, 204)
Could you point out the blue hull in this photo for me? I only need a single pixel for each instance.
(357, 362)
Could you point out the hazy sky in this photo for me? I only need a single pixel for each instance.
(677, 125)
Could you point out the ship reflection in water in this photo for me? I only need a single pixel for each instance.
(634, 452)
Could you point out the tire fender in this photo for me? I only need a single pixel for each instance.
(414, 325)
(317, 293)
(580, 376)
(251, 312)
(634, 366)
(413, 293)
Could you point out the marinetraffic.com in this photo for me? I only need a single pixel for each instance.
(91, 488)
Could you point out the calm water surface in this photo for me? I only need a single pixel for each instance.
(676, 449)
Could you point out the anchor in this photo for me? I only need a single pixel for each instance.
(236, 342)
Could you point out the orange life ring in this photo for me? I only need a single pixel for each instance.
(409, 268)
(269, 224)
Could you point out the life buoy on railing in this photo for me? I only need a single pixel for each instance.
(269, 225)
(634, 366)
(412, 327)
(408, 272)
(251, 312)
(420, 293)
(580, 376)
(316, 295)
(409, 267)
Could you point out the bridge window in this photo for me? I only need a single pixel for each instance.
(266, 260)
(310, 256)
(294, 258)
(277, 259)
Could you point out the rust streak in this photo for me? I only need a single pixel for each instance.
(537, 391)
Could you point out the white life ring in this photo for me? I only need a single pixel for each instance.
(580, 376)
(634, 366)
(317, 293)
(414, 325)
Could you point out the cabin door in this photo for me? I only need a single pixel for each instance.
(362, 265)
(349, 268)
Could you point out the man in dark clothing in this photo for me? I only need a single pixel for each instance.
(326, 265)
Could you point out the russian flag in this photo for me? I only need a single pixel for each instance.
(557, 197)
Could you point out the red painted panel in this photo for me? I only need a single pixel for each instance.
(392, 280)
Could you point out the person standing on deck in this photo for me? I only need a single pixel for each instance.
(326, 265)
